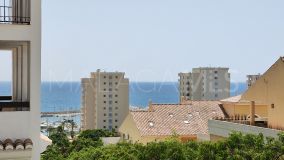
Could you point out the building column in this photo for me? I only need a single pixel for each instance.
(21, 72)
(252, 113)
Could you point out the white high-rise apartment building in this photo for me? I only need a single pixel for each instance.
(105, 100)
(20, 36)
(204, 83)
(252, 79)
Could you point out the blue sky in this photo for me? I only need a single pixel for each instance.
(154, 40)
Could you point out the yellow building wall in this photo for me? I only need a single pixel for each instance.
(129, 128)
(269, 89)
(147, 139)
(244, 109)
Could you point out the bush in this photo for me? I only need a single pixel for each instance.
(88, 146)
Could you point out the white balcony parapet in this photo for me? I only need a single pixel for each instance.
(224, 128)
(15, 125)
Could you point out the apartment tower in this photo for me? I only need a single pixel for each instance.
(251, 79)
(105, 100)
(20, 37)
(205, 83)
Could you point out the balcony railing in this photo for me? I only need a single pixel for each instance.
(245, 121)
(15, 12)
(7, 104)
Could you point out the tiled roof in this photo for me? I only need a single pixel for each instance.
(234, 99)
(9, 145)
(182, 119)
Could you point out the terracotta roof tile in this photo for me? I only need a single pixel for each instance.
(18, 144)
(182, 119)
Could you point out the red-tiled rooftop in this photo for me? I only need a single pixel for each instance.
(182, 119)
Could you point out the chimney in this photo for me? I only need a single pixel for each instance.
(182, 100)
(150, 105)
(252, 113)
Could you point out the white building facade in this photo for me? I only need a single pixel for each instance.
(20, 34)
(205, 83)
(105, 100)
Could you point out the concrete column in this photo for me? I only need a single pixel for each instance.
(252, 113)
(19, 76)
(25, 72)
(150, 105)
(15, 74)
(21, 73)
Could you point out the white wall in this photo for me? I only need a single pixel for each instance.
(14, 125)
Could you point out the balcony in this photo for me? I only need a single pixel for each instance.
(223, 128)
(16, 69)
(15, 12)
(16, 125)
(7, 104)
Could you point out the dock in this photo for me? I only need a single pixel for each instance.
(61, 113)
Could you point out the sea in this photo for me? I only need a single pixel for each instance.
(66, 96)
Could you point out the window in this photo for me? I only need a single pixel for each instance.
(151, 124)
(14, 76)
(105, 83)
(15, 12)
(116, 95)
(116, 107)
(110, 114)
(110, 89)
(115, 102)
(116, 77)
(104, 101)
(110, 96)
(116, 114)
(116, 120)
(110, 83)
(215, 77)
(104, 126)
(104, 76)
(104, 95)
(105, 114)
(110, 77)
(104, 108)
(6, 73)
(104, 120)
(186, 122)
(216, 72)
(110, 102)
(115, 126)
(110, 108)
(272, 106)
